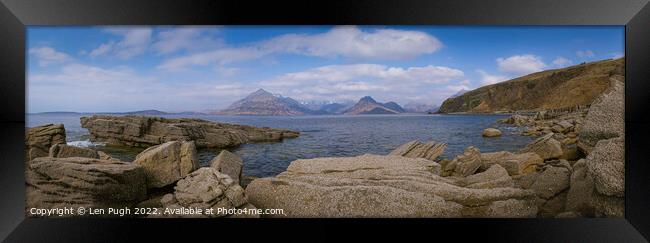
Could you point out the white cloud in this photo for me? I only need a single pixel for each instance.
(220, 57)
(80, 87)
(347, 42)
(89, 76)
(185, 38)
(134, 42)
(46, 55)
(487, 79)
(227, 87)
(617, 55)
(228, 71)
(102, 49)
(342, 73)
(521, 64)
(351, 42)
(359, 86)
(350, 82)
(562, 62)
(585, 53)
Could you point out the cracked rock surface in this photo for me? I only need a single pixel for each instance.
(386, 186)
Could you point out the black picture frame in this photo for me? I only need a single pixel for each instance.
(15, 15)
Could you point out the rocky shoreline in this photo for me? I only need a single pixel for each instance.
(575, 168)
(143, 131)
(165, 174)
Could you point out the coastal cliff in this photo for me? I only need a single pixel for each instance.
(573, 86)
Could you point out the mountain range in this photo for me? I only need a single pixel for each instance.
(262, 102)
(551, 89)
(413, 107)
(367, 105)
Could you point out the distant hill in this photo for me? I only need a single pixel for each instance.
(394, 106)
(433, 109)
(188, 113)
(262, 102)
(367, 105)
(551, 89)
(413, 107)
(334, 108)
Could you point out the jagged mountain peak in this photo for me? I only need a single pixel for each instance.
(394, 106)
(367, 105)
(260, 92)
(367, 99)
(392, 103)
(262, 102)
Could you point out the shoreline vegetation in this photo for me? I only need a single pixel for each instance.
(574, 167)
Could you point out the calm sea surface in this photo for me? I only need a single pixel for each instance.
(328, 136)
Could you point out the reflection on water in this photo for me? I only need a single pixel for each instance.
(328, 136)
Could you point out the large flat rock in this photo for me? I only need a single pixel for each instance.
(141, 131)
(83, 182)
(384, 186)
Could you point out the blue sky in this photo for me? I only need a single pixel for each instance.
(207, 68)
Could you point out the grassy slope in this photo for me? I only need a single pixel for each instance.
(551, 89)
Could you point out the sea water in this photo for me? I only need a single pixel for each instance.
(326, 136)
